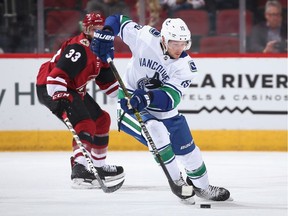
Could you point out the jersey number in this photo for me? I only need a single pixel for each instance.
(73, 55)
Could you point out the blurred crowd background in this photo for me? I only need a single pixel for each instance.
(217, 26)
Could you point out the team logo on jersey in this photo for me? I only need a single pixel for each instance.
(85, 42)
(192, 66)
(150, 83)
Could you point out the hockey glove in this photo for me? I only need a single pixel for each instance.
(63, 99)
(139, 100)
(103, 44)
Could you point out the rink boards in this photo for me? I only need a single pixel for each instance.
(230, 140)
(236, 103)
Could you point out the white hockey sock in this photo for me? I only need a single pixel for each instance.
(160, 137)
(195, 168)
(99, 156)
(81, 160)
(168, 158)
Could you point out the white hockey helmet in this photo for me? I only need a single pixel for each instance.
(177, 30)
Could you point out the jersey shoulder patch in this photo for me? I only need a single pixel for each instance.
(73, 60)
(192, 66)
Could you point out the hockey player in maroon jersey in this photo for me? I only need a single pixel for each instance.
(61, 87)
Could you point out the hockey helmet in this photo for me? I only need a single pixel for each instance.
(92, 19)
(177, 30)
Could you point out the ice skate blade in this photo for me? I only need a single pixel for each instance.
(79, 183)
(230, 199)
(114, 178)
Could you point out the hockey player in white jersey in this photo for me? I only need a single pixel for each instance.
(158, 74)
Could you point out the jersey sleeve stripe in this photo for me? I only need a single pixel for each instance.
(124, 21)
(173, 93)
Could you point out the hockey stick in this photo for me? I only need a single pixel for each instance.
(88, 159)
(181, 191)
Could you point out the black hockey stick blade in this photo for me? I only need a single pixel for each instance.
(105, 188)
(110, 189)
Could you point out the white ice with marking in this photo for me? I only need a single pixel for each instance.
(38, 184)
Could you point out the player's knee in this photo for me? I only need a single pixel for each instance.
(158, 133)
(86, 125)
(103, 123)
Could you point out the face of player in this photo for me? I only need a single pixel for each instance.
(175, 48)
(92, 29)
(273, 17)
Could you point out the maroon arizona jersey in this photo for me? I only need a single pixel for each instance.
(73, 66)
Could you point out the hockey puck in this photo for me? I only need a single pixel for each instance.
(205, 206)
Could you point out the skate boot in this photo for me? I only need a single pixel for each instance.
(189, 200)
(211, 193)
(110, 173)
(83, 178)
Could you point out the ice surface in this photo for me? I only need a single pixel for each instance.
(38, 184)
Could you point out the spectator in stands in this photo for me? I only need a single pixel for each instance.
(107, 7)
(270, 36)
(154, 8)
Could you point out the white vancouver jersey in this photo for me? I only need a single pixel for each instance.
(148, 62)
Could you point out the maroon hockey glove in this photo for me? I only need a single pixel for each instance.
(64, 100)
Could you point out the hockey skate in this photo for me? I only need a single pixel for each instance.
(211, 193)
(84, 179)
(110, 173)
(189, 200)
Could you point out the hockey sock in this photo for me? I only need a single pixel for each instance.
(101, 139)
(195, 168)
(86, 139)
(199, 176)
(160, 136)
(99, 150)
(168, 158)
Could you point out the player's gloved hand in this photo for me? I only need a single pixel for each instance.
(102, 44)
(125, 105)
(139, 100)
(64, 100)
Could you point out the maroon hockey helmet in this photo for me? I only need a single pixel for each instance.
(92, 19)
